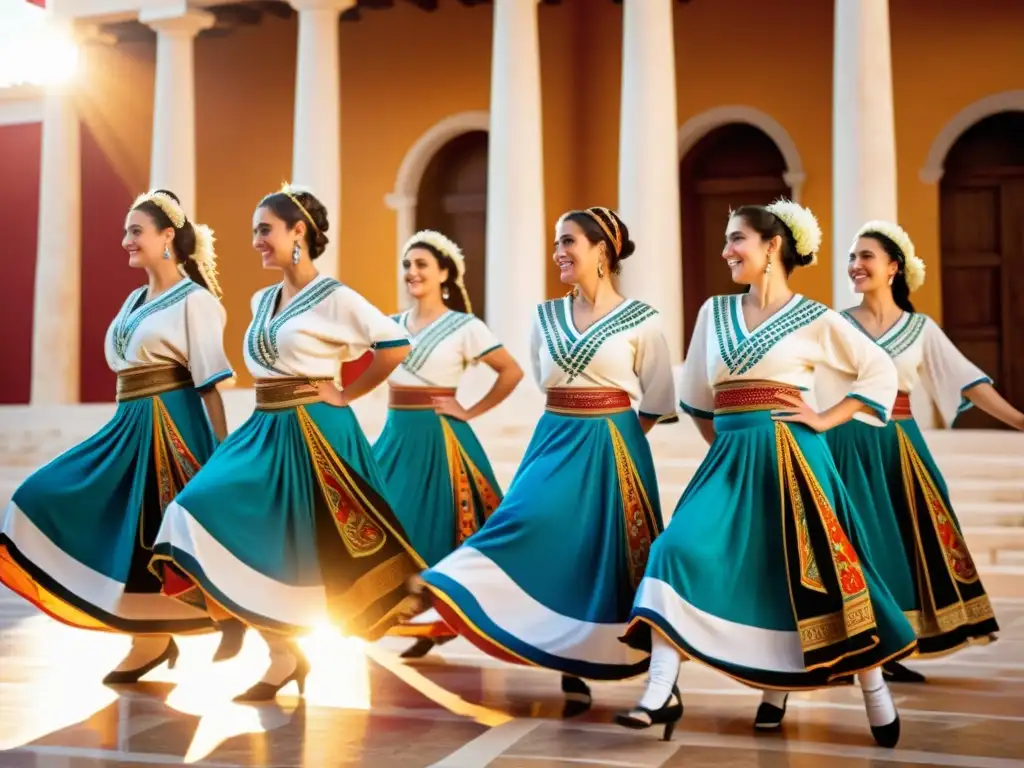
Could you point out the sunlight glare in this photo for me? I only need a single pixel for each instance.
(34, 51)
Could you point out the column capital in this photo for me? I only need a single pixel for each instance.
(188, 23)
(321, 5)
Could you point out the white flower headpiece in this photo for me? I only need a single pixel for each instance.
(913, 267)
(165, 203)
(447, 247)
(206, 259)
(802, 223)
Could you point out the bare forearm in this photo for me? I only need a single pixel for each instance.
(706, 427)
(215, 412)
(991, 402)
(647, 423)
(842, 412)
(383, 363)
(508, 379)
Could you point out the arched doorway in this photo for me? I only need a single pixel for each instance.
(981, 207)
(452, 198)
(732, 165)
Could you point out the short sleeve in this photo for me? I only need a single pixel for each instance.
(653, 367)
(947, 374)
(696, 395)
(205, 319)
(477, 340)
(365, 326)
(849, 351)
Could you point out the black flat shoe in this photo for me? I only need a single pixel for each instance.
(268, 691)
(893, 672)
(887, 736)
(769, 717)
(129, 676)
(423, 646)
(232, 635)
(577, 696)
(668, 715)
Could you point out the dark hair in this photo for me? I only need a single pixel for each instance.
(768, 225)
(900, 289)
(599, 225)
(184, 243)
(456, 296)
(282, 206)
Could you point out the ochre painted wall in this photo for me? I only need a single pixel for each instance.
(404, 70)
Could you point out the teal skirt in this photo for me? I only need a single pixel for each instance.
(762, 573)
(288, 527)
(550, 578)
(911, 534)
(78, 534)
(438, 477)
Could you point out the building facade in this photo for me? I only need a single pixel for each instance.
(489, 119)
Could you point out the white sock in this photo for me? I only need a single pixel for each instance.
(775, 698)
(662, 674)
(144, 649)
(878, 701)
(282, 660)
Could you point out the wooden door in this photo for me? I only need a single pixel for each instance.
(734, 165)
(453, 199)
(982, 242)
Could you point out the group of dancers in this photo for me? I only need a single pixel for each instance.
(812, 546)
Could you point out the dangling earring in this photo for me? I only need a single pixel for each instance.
(167, 252)
(600, 270)
(891, 278)
(444, 292)
(768, 266)
(296, 253)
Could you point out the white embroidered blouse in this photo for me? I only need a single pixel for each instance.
(325, 324)
(183, 325)
(801, 337)
(443, 349)
(624, 350)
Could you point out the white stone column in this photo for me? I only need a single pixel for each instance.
(649, 164)
(57, 302)
(172, 163)
(516, 252)
(863, 131)
(316, 143)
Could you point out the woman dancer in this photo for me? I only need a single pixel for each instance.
(288, 524)
(437, 474)
(77, 536)
(759, 575)
(550, 577)
(913, 534)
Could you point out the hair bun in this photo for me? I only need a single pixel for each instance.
(628, 248)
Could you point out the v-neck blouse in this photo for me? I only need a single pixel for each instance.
(325, 324)
(923, 355)
(183, 325)
(443, 349)
(625, 350)
(799, 338)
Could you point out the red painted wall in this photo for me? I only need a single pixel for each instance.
(19, 212)
(106, 277)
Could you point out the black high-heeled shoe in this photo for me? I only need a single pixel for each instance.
(668, 714)
(577, 696)
(423, 646)
(769, 717)
(232, 635)
(129, 676)
(894, 672)
(267, 691)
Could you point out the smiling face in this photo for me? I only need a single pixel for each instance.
(870, 267)
(273, 239)
(144, 242)
(423, 274)
(746, 253)
(574, 254)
